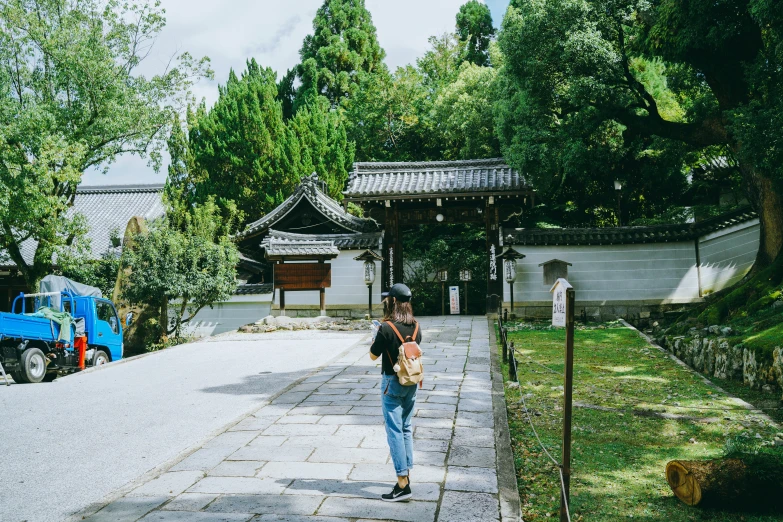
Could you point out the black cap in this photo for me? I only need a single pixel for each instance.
(400, 292)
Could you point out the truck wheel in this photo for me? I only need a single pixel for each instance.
(100, 358)
(33, 365)
(18, 377)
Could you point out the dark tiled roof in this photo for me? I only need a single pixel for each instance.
(341, 241)
(626, 235)
(491, 176)
(263, 288)
(309, 189)
(279, 248)
(106, 208)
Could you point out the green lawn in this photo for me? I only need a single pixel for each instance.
(619, 457)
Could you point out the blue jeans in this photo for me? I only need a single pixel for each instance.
(397, 402)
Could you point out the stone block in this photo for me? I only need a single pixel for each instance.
(305, 470)
(300, 429)
(299, 419)
(239, 486)
(482, 480)
(415, 511)
(296, 518)
(266, 504)
(190, 502)
(471, 456)
(204, 459)
(273, 454)
(127, 509)
(348, 455)
(171, 484)
(386, 474)
(236, 468)
(468, 507)
(348, 488)
(230, 439)
(324, 441)
(189, 516)
(352, 419)
(432, 433)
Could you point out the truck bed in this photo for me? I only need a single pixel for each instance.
(17, 326)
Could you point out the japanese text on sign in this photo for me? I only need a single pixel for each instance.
(559, 307)
(454, 299)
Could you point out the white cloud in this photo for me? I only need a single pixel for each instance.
(271, 31)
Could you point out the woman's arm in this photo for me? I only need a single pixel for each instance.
(373, 356)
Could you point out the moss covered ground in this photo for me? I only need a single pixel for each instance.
(752, 308)
(636, 409)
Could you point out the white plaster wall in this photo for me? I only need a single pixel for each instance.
(347, 288)
(228, 316)
(660, 272)
(727, 255)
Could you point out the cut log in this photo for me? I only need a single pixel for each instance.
(709, 482)
(752, 483)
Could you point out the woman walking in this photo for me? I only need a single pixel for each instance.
(397, 401)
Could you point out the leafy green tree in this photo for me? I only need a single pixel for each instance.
(635, 86)
(71, 98)
(475, 30)
(183, 266)
(242, 150)
(463, 110)
(343, 44)
(323, 144)
(384, 117)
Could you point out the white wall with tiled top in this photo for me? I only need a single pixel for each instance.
(641, 272)
(727, 255)
(650, 272)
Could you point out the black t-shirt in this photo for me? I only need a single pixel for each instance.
(387, 344)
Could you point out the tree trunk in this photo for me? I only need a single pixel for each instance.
(164, 319)
(767, 201)
(724, 483)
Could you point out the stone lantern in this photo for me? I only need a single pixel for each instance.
(369, 257)
(509, 257)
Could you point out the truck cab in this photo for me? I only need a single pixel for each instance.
(47, 341)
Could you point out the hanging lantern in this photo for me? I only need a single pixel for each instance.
(465, 275)
(443, 275)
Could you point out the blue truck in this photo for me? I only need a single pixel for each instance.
(34, 347)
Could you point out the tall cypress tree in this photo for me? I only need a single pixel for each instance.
(344, 43)
(475, 30)
(323, 144)
(242, 148)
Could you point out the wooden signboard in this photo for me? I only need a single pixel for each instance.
(303, 276)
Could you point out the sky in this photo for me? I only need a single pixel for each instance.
(230, 32)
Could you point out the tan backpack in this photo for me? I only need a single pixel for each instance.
(410, 370)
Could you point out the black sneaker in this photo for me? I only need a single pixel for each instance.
(398, 494)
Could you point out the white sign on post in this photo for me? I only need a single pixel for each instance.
(454, 299)
(559, 302)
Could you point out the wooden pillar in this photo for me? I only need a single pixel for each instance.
(494, 266)
(282, 301)
(323, 302)
(392, 246)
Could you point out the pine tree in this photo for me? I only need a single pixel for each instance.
(343, 44)
(242, 149)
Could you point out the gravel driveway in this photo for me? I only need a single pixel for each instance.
(70, 443)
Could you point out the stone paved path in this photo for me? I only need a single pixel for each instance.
(318, 451)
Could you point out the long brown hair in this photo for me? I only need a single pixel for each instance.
(388, 308)
(402, 312)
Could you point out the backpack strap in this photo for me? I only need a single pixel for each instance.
(395, 331)
(415, 331)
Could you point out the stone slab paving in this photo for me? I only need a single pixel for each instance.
(318, 452)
